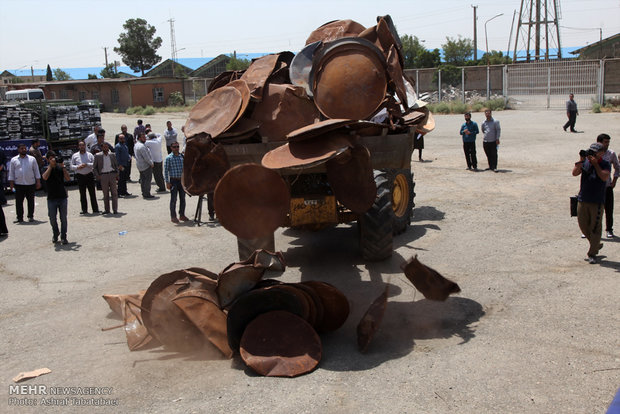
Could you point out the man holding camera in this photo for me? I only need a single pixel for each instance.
(594, 171)
(55, 176)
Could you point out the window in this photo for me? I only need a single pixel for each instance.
(53, 94)
(114, 95)
(95, 95)
(82, 95)
(64, 94)
(158, 94)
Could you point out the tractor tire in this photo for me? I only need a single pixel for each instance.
(246, 247)
(402, 198)
(375, 226)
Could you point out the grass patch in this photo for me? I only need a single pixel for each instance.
(150, 110)
(458, 107)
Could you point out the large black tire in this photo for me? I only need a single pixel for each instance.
(376, 224)
(402, 198)
(246, 247)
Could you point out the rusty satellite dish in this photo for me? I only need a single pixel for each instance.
(349, 79)
(251, 201)
(334, 30)
(351, 177)
(214, 113)
(255, 302)
(257, 74)
(396, 75)
(322, 127)
(299, 71)
(283, 109)
(280, 344)
(163, 319)
(370, 322)
(204, 165)
(201, 308)
(307, 153)
(335, 306)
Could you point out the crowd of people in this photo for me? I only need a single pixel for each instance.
(96, 165)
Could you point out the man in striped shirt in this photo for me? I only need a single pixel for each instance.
(173, 169)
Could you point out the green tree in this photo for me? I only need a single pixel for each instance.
(92, 76)
(457, 52)
(415, 54)
(495, 58)
(450, 75)
(237, 64)
(61, 75)
(138, 45)
(109, 71)
(48, 75)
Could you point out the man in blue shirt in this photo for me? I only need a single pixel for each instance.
(173, 169)
(469, 130)
(594, 171)
(123, 159)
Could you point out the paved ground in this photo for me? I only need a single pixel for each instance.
(535, 329)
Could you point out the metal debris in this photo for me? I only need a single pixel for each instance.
(371, 321)
(428, 281)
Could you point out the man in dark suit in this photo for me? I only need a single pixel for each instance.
(105, 168)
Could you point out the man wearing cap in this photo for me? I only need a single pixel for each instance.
(173, 169)
(612, 159)
(106, 170)
(82, 163)
(491, 131)
(571, 113)
(25, 178)
(144, 163)
(469, 130)
(594, 171)
(153, 143)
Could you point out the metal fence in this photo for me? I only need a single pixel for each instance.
(526, 85)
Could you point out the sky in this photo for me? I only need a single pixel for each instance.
(74, 33)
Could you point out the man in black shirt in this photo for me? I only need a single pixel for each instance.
(55, 176)
(130, 141)
(571, 113)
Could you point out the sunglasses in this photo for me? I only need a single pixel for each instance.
(174, 146)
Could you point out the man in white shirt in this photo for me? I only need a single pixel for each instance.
(25, 178)
(144, 163)
(153, 143)
(171, 135)
(92, 138)
(82, 163)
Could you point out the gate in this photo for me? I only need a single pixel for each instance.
(548, 84)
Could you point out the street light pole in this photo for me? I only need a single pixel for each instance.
(486, 40)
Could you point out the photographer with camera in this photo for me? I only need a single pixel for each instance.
(594, 171)
(55, 176)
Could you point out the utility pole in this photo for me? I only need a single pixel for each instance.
(475, 34)
(105, 50)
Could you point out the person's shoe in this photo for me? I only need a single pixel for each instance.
(105, 212)
(183, 218)
(83, 212)
(564, 129)
(55, 239)
(583, 236)
(64, 241)
(495, 170)
(94, 212)
(174, 220)
(115, 212)
(610, 234)
(30, 219)
(211, 217)
(18, 220)
(148, 197)
(591, 259)
(469, 168)
(600, 246)
(573, 131)
(161, 190)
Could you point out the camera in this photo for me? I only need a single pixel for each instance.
(585, 153)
